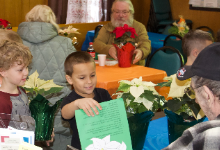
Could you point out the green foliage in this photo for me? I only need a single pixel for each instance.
(123, 87)
(123, 39)
(66, 34)
(33, 92)
(148, 95)
(175, 30)
(167, 84)
(135, 107)
(183, 106)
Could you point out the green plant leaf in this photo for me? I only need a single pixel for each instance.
(174, 104)
(148, 95)
(31, 90)
(184, 115)
(141, 108)
(167, 84)
(123, 87)
(128, 34)
(66, 34)
(52, 90)
(194, 107)
(133, 43)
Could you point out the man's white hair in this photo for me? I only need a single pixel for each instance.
(131, 7)
(130, 20)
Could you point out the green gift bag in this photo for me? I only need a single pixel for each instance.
(44, 117)
(138, 125)
(177, 125)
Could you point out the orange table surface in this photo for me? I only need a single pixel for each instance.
(108, 77)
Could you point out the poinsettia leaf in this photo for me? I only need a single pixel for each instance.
(127, 96)
(162, 84)
(194, 107)
(133, 43)
(31, 90)
(174, 104)
(66, 34)
(128, 34)
(148, 95)
(117, 41)
(129, 114)
(123, 87)
(41, 92)
(184, 115)
(52, 90)
(141, 108)
(185, 98)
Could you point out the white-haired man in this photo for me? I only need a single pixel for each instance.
(122, 13)
(205, 77)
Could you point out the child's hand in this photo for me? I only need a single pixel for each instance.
(87, 104)
(52, 138)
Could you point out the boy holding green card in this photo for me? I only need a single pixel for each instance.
(81, 74)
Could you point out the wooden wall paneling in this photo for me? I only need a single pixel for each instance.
(25, 8)
(83, 29)
(141, 10)
(13, 10)
(199, 18)
(37, 2)
(2, 8)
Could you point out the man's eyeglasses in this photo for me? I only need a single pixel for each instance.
(124, 13)
(190, 92)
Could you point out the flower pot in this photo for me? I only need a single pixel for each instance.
(177, 125)
(138, 125)
(125, 54)
(44, 117)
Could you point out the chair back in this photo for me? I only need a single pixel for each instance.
(97, 28)
(169, 62)
(175, 41)
(206, 28)
(162, 9)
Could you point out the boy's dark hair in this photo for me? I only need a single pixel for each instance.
(10, 35)
(13, 52)
(195, 39)
(76, 58)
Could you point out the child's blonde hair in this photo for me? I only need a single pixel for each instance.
(13, 52)
(9, 35)
(42, 13)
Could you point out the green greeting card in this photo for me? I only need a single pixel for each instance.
(108, 130)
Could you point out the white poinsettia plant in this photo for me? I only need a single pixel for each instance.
(139, 96)
(182, 103)
(68, 31)
(34, 86)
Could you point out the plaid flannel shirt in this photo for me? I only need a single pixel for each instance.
(203, 136)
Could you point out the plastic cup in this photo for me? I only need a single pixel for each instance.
(101, 59)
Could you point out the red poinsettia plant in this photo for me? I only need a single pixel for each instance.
(123, 44)
(4, 23)
(123, 34)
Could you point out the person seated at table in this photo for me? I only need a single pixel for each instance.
(123, 13)
(204, 74)
(193, 43)
(49, 50)
(81, 74)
